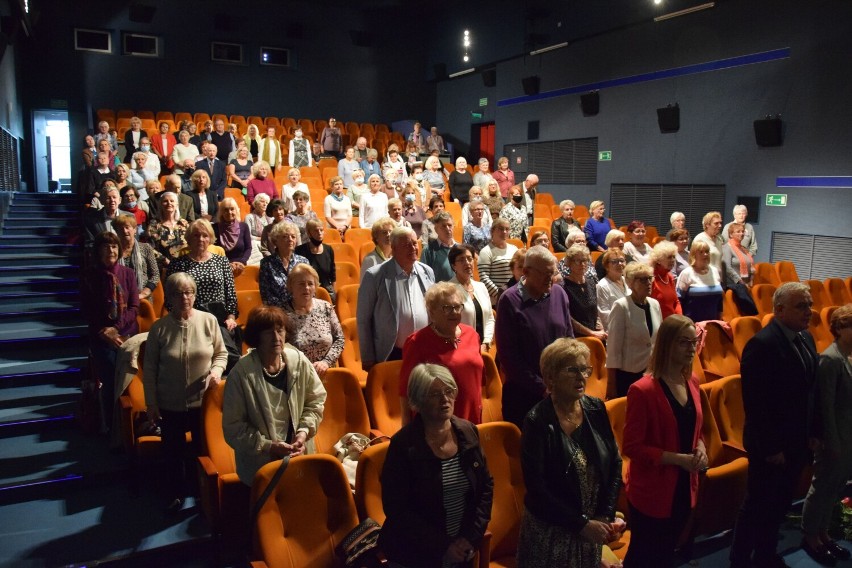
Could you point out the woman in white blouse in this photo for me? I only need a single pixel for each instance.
(612, 286)
(476, 310)
(636, 247)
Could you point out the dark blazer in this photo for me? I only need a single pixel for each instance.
(129, 148)
(218, 177)
(94, 223)
(94, 180)
(649, 430)
(776, 394)
(212, 204)
(414, 533)
(553, 488)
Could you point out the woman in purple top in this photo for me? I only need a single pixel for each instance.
(110, 301)
(233, 235)
(262, 182)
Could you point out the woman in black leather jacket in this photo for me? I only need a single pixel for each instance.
(571, 467)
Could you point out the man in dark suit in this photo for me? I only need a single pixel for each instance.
(215, 168)
(96, 221)
(778, 371)
(186, 206)
(222, 139)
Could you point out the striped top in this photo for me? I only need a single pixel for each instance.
(494, 269)
(456, 489)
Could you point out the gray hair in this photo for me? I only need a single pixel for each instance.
(676, 215)
(177, 282)
(565, 202)
(284, 227)
(165, 194)
(399, 232)
(661, 249)
(786, 290)
(441, 217)
(612, 235)
(538, 254)
(421, 378)
(740, 207)
(575, 252)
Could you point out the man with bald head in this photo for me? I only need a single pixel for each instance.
(528, 190)
(361, 149)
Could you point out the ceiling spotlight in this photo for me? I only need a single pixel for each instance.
(658, 2)
(465, 58)
(467, 42)
(467, 33)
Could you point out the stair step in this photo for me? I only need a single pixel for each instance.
(52, 316)
(68, 377)
(36, 209)
(58, 270)
(41, 331)
(33, 239)
(32, 259)
(49, 197)
(66, 222)
(30, 231)
(45, 248)
(37, 404)
(62, 357)
(12, 285)
(21, 301)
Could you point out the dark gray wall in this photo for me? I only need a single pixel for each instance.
(715, 144)
(10, 106)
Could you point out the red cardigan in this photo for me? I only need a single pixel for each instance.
(649, 430)
(664, 293)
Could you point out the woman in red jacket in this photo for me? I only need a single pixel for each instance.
(663, 440)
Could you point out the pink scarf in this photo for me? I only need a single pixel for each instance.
(229, 234)
(742, 255)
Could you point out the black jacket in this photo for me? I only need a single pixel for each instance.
(414, 532)
(553, 489)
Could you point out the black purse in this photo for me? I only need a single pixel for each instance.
(359, 548)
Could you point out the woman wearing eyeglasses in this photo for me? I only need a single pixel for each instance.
(633, 324)
(571, 467)
(663, 439)
(448, 342)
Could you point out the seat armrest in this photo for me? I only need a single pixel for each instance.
(128, 433)
(375, 433)
(710, 376)
(484, 552)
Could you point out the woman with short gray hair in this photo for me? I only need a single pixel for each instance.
(749, 240)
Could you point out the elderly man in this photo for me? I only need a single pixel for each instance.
(530, 316)
(223, 139)
(215, 168)
(436, 252)
(435, 141)
(391, 301)
(778, 373)
(527, 188)
(361, 149)
(96, 221)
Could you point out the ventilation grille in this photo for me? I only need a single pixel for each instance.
(564, 162)
(816, 257)
(10, 178)
(655, 203)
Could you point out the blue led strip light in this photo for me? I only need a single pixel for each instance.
(815, 181)
(729, 63)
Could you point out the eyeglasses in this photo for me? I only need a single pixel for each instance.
(446, 392)
(586, 372)
(582, 261)
(452, 309)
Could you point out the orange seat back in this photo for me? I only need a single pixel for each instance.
(501, 444)
(356, 237)
(744, 329)
(344, 252)
(348, 273)
(730, 309)
(719, 355)
(249, 279)
(596, 383)
(762, 295)
(819, 295)
(247, 300)
(492, 391)
(350, 357)
(213, 442)
(368, 483)
(382, 397)
(838, 293)
(347, 301)
(765, 273)
(786, 271)
(726, 403)
(345, 410)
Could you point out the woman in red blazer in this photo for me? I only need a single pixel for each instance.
(663, 440)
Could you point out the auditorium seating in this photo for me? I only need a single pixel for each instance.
(762, 294)
(382, 397)
(368, 484)
(765, 273)
(492, 391)
(744, 329)
(838, 293)
(345, 410)
(350, 357)
(819, 295)
(596, 383)
(719, 357)
(786, 271)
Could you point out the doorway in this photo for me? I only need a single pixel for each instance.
(482, 141)
(52, 151)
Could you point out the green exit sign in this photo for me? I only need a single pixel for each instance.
(605, 156)
(476, 115)
(483, 102)
(776, 199)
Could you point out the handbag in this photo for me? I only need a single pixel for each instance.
(349, 449)
(359, 548)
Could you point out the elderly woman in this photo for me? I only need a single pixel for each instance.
(347, 166)
(140, 175)
(139, 257)
(433, 176)
(614, 239)
(474, 196)
(571, 465)
(373, 205)
(261, 182)
(241, 170)
(749, 240)
(494, 259)
(475, 298)
(412, 206)
(138, 209)
(168, 232)
(395, 213)
(477, 231)
(492, 200)
(636, 247)
(560, 227)
(184, 155)
(680, 237)
(359, 188)
(233, 235)
(700, 286)
(122, 176)
(517, 214)
(104, 146)
(253, 140)
(380, 233)
(312, 324)
(736, 258)
(482, 175)
(663, 440)
(109, 299)
(832, 461)
(633, 324)
(460, 181)
(133, 138)
(391, 187)
(678, 221)
(397, 165)
(337, 207)
(582, 294)
(275, 269)
(516, 267)
(436, 488)
(504, 177)
(449, 342)
(370, 164)
(257, 219)
(612, 286)
(427, 229)
(320, 256)
(540, 239)
(204, 200)
(662, 260)
(274, 399)
(712, 236)
(575, 237)
(597, 226)
(301, 214)
(294, 184)
(184, 354)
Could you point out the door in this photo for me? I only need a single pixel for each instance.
(52, 150)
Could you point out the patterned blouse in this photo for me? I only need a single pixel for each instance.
(517, 217)
(168, 242)
(301, 221)
(317, 334)
(214, 281)
(273, 279)
(477, 237)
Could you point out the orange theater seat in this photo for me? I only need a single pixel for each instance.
(382, 396)
(838, 293)
(726, 403)
(368, 483)
(819, 294)
(347, 301)
(744, 329)
(719, 357)
(248, 279)
(786, 271)
(350, 357)
(492, 391)
(596, 383)
(345, 410)
(762, 294)
(344, 252)
(765, 273)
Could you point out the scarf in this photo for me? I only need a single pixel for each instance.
(229, 234)
(115, 298)
(136, 263)
(744, 256)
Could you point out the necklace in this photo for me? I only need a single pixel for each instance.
(668, 279)
(454, 341)
(271, 374)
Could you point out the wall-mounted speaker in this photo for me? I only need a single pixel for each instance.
(590, 103)
(489, 77)
(531, 84)
(440, 70)
(141, 13)
(768, 132)
(669, 118)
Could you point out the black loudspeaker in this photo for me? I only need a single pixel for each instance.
(532, 130)
(141, 13)
(590, 103)
(669, 118)
(440, 70)
(767, 132)
(489, 77)
(531, 84)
